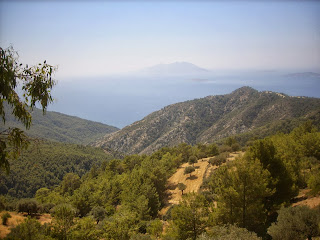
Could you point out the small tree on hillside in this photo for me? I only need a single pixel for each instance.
(70, 182)
(98, 213)
(188, 170)
(5, 216)
(192, 160)
(182, 187)
(29, 206)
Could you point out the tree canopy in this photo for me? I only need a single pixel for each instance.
(21, 88)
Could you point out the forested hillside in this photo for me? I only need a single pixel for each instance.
(60, 127)
(44, 164)
(245, 111)
(240, 199)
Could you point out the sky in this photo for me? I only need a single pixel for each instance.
(96, 38)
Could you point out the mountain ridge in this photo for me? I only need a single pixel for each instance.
(60, 127)
(209, 119)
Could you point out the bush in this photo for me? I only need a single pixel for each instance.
(29, 206)
(30, 229)
(314, 183)
(225, 148)
(220, 159)
(228, 232)
(98, 213)
(295, 223)
(3, 203)
(192, 160)
(189, 169)
(5, 216)
(235, 147)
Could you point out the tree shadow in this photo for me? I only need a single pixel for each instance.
(193, 177)
(298, 199)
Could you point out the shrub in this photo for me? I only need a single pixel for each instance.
(29, 206)
(228, 232)
(225, 148)
(188, 170)
(314, 183)
(295, 223)
(5, 216)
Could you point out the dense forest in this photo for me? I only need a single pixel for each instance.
(44, 164)
(248, 198)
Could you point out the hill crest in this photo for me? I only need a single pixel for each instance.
(210, 119)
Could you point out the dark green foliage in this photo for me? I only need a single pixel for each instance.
(314, 182)
(85, 229)
(54, 126)
(155, 228)
(70, 183)
(181, 187)
(220, 159)
(235, 147)
(98, 213)
(140, 236)
(225, 149)
(30, 229)
(42, 194)
(120, 226)
(230, 141)
(44, 165)
(125, 196)
(295, 223)
(34, 84)
(5, 216)
(64, 215)
(3, 202)
(192, 160)
(189, 169)
(212, 150)
(266, 152)
(29, 206)
(240, 190)
(228, 232)
(189, 217)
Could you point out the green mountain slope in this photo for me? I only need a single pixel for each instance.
(60, 127)
(209, 119)
(44, 165)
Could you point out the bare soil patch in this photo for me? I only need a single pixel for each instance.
(193, 182)
(304, 199)
(16, 219)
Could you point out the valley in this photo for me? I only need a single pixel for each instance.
(126, 183)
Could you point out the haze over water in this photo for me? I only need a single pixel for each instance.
(122, 100)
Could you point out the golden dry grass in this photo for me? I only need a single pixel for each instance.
(193, 183)
(16, 219)
(304, 199)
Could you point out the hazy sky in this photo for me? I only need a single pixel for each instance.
(96, 38)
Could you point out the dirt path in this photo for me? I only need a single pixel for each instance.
(304, 199)
(193, 183)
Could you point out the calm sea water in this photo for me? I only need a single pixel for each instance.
(122, 100)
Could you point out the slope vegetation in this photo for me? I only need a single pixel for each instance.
(212, 118)
(45, 164)
(60, 127)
